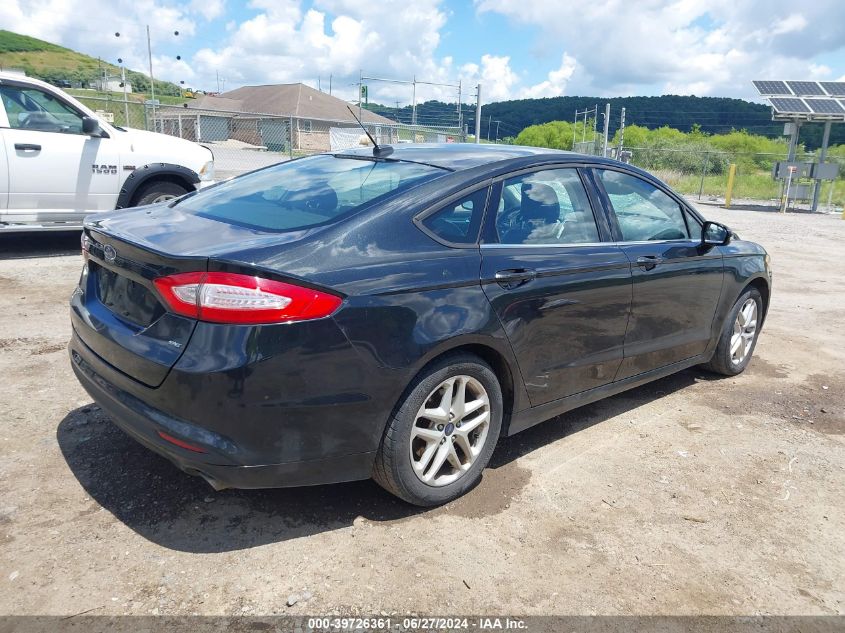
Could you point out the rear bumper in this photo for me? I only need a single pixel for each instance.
(219, 463)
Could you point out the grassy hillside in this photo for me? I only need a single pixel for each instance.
(52, 63)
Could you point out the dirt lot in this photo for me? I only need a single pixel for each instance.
(694, 494)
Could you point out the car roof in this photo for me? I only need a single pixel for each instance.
(457, 156)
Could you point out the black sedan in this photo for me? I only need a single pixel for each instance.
(393, 313)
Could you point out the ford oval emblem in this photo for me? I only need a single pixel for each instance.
(109, 253)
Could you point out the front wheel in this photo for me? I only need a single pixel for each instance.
(739, 335)
(158, 191)
(443, 433)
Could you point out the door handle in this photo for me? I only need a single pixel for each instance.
(649, 261)
(514, 277)
(28, 147)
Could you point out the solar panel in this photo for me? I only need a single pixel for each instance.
(806, 88)
(834, 88)
(785, 105)
(825, 106)
(765, 87)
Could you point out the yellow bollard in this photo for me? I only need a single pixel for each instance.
(730, 190)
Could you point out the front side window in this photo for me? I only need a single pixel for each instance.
(458, 222)
(306, 192)
(548, 207)
(644, 213)
(32, 109)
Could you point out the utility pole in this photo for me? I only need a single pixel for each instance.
(414, 102)
(621, 136)
(330, 85)
(478, 113)
(584, 129)
(460, 113)
(125, 99)
(497, 130)
(489, 125)
(152, 79)
(606, 128)
(574, 129)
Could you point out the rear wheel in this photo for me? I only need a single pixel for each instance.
(739, 335)
(443, 433)
(158, 191)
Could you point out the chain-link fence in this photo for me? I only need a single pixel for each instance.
(704, 175)
(243, 141)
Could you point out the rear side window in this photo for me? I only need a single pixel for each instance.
(644, 213)
(307, 192)
(459, 221)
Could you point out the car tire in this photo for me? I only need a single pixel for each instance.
(728, 360)
(401, 455)
(158, 191)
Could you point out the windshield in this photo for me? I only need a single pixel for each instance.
(307, 192)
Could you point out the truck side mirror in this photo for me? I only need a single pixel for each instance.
(91, 126)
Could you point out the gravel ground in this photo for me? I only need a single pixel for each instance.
(694, 494)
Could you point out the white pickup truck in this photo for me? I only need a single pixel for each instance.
(60, 162)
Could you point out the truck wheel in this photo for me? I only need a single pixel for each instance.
(157, 191)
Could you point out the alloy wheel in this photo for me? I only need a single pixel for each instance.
(450, 430)
(745, 329)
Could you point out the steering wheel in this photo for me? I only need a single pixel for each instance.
(26, 119)
(668, 234)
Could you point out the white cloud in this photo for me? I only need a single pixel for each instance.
(557, 80)
(209, 9)
(611, 47)
(686, 46)
(283, 43)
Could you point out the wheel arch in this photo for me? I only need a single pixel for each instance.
(498, 362)
(762, 286)
(167, 172)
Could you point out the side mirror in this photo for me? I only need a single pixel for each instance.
(91, 126)
(715, 234)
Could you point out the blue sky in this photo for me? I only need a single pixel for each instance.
(515, 48)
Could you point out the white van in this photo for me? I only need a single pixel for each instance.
(59, 161)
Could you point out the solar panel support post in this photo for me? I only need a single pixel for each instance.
(793, 140)
(822, 155)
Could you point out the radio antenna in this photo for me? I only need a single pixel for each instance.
(378, 150)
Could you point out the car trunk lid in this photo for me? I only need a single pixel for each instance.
(118, 313)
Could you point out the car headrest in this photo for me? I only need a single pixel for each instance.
(539, 202)
(322, 201)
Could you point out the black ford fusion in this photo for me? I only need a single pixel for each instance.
(392, 314)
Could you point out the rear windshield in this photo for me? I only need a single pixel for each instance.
(306, 192)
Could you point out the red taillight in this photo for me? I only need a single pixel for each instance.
(234, 298)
